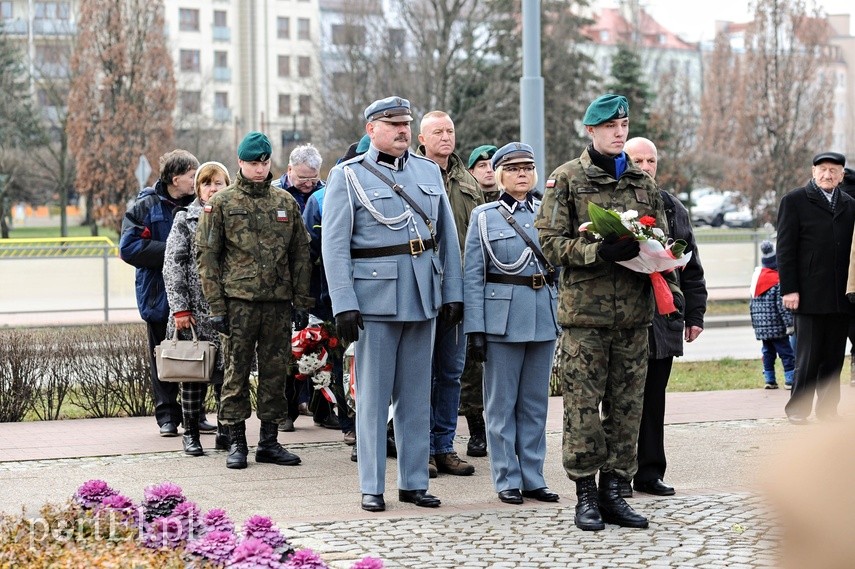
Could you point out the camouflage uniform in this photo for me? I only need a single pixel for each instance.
(253, 260)
(605, 310)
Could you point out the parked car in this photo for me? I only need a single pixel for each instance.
(739, 218)
(709, 209)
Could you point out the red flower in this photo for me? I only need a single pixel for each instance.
(647, 221)
(333, 342)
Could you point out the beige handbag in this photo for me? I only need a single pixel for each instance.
(185, 360)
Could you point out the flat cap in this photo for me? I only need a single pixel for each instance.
(390, 109)
(513, 153)
(255, 146)
(606, 108)
(483, 152)
(834, 157)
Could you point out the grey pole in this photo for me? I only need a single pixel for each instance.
(531, 89)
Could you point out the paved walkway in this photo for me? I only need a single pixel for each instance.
(718, 445)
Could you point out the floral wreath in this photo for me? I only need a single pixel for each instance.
(311, 348)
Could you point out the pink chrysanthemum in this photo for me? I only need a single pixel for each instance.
(253, 553)
(305, 559)
(368, 563)
(191, 518)
(92, 492)
(216, 519)
(164, 532)
(216, 546)
(160, 499)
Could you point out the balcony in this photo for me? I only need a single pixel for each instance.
(54, 27)
(17, 27)
(222, 33)
(222, 114)
(222, 74)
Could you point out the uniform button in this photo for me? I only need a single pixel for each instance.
(374, 274)
(376, 194)
(527, 225)
(493, 293)
(412, 230)
(407, 207)
(501, 234)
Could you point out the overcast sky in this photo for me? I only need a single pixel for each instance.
(695, 20)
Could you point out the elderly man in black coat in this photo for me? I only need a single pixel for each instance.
(815, 225)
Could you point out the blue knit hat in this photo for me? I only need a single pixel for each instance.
(768, 258)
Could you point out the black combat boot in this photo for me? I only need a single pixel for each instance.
(237, 446)
(613, 507)
(269, 449)
(477, 445)
(587, 507)
(192, 445)
(221, 442)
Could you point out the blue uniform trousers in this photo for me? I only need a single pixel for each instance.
(516, 400)
(393, 362)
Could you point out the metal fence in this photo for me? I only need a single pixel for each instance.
(76, 280)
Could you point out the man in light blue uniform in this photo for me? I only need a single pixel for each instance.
(393, 265)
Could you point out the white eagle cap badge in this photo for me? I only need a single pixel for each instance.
(620, 111)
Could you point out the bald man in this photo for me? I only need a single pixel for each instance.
(666, 335)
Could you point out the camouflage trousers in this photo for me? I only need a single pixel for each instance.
(600, 365)
(265, 328)
(472, 389)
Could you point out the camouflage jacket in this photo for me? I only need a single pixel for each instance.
(463, 191)
(252, 245)
(593, 292)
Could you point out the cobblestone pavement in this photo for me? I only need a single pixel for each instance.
(709, 531)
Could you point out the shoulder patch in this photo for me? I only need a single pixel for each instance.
(208, 208)
(550, 183)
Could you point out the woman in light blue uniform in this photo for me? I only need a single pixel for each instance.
(510, 317)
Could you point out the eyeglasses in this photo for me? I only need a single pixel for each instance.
(301, 179)
(518, 169)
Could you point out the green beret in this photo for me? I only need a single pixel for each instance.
(484, 152)
(255, 147)
(363, 145)
(606, 108)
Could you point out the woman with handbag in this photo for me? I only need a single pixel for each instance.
(187, 304)
(510, 317)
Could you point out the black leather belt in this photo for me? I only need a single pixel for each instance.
(414, 247)
(535, 281)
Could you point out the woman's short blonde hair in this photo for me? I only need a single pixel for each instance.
(501, 170)
(206, 172)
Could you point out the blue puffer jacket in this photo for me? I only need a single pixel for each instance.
(144, 231)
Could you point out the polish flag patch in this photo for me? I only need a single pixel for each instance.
(281, 215)
(550, 183)
(208, 209)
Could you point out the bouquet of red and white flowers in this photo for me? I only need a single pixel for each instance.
(311, 348)
(658, 254)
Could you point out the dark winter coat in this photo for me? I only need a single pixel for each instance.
(181, 277)
(666, 333)
(813, 249)
(145, 227)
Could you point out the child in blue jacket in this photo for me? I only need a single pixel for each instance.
(771, 321)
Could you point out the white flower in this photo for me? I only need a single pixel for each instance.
(322, 379)
(628, 215)
(658, 233)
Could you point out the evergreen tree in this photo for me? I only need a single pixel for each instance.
(628, 80)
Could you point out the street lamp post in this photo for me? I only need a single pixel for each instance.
(531, 88)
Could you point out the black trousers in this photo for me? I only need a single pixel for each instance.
(820, 349)
(166, 406)
(651, 434)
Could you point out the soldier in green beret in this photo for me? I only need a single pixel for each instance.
(604, 310)
(253, 260)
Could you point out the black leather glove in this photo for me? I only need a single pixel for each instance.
(348, 324)
(220, 324)
(478, 346)
(450, 314)
(614, 249)
(301, 318)
(850, 296)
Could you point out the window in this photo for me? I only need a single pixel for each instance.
(221, 100)
(221, 59)
(304, 66)
(283, 28)
(63, 11)
(305, 105)
(284, 66)
(190, 102)
(303, 32)
(220, 19)
(188, 20)
(347, 34)
(284, 105)
(6, 10)
(189, 60)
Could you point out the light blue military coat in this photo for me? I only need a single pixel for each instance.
(401, 288)
(505, 312)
